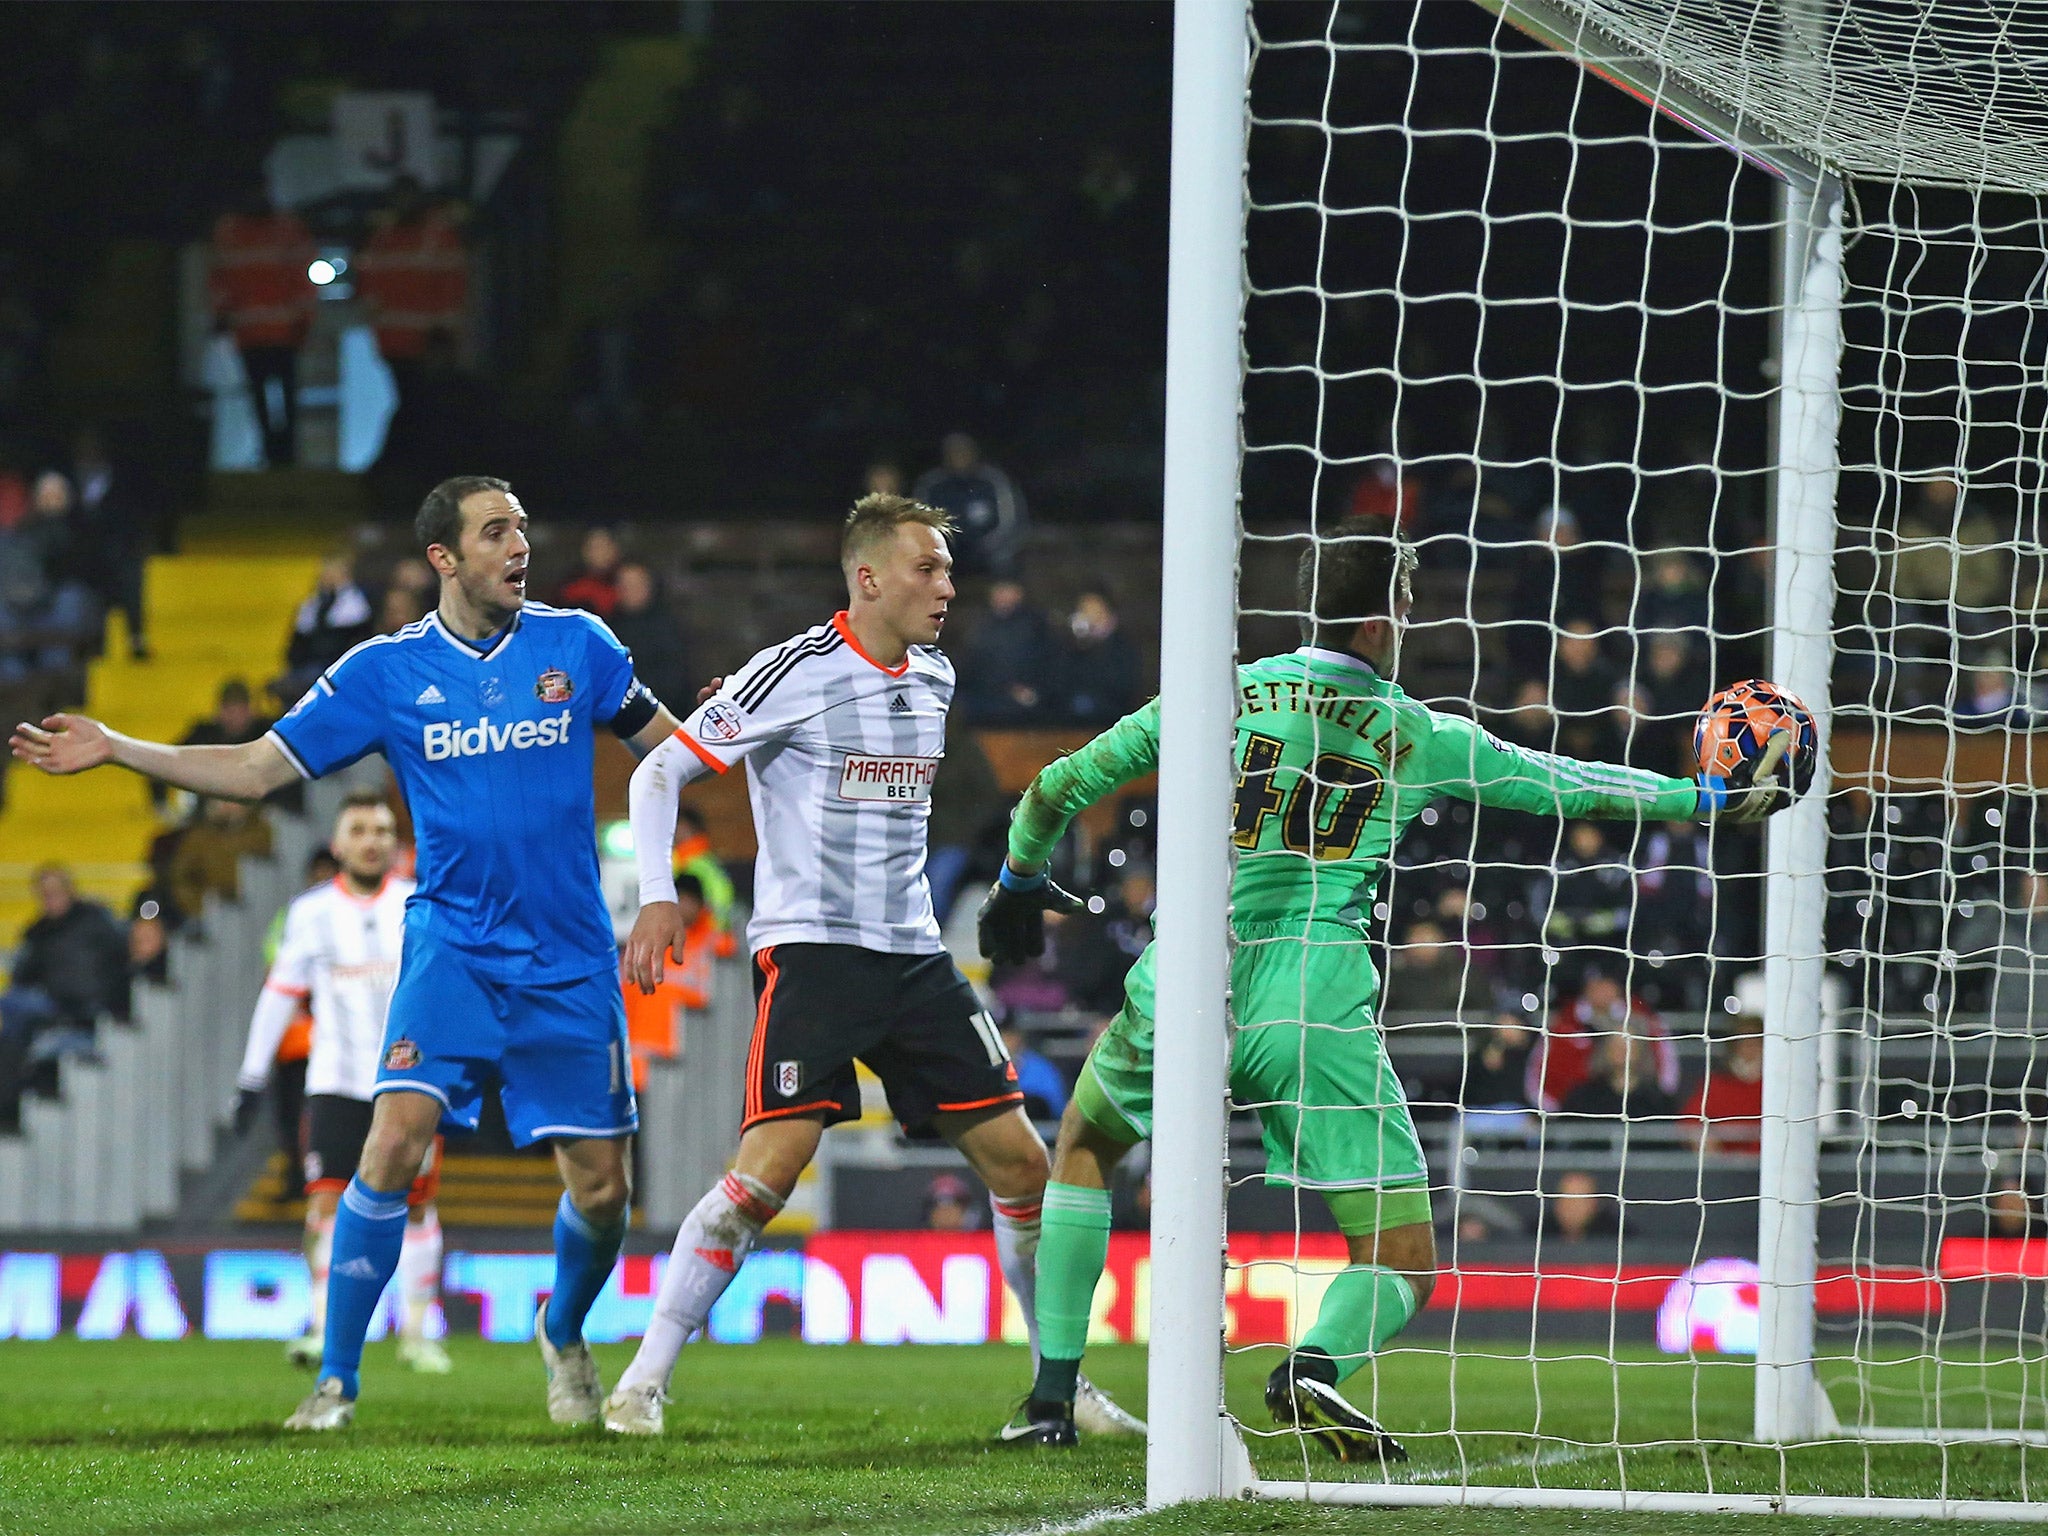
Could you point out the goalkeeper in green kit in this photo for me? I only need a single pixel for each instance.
(1334, 761)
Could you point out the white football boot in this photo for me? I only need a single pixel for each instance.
(324, 1408)
(575, 1395)
(635, 1410)
(304, 1351)
(1097, 1413)
(425, 1356)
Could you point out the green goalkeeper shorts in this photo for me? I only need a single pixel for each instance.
(1307, 1056)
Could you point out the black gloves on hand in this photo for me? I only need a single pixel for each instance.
(1012, 919)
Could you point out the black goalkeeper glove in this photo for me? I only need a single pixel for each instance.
(247, 1105)
(1756, 789)
(1012, 919)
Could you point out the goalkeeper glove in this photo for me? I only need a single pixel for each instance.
(1012, 918)
(1753, 791)
(247, 1103)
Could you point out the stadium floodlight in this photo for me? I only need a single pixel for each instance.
(1776, 320)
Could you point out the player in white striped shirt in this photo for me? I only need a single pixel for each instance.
(340, 953)
(841, 728)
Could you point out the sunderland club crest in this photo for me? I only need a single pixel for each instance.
(402, 1057)
(553, 686)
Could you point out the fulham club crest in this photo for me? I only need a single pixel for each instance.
(402, 1057)
(553, 686)
(788, 1078)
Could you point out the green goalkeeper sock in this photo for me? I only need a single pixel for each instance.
(1072, 1248)
(1364, 1307)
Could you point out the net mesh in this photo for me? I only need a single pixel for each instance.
(1509, 305)
(1934, 92)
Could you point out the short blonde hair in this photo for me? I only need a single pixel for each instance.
(876, 517)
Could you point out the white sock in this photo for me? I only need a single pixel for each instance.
(319, 1255)
(419, 1272)
(1017, 1227)
(710, 1247)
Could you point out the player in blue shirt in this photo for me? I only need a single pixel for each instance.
(509, 973)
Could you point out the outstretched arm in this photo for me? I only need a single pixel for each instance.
(1011, 923)
(1068, 786)
(1474, 764)
(74, 743)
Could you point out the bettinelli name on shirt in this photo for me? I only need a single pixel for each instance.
(451, 738)
(887, 778)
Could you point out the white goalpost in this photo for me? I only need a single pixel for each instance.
(1698, 338)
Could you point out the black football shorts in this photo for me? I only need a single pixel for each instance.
(912, 1020)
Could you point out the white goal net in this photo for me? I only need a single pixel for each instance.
(1688, 342)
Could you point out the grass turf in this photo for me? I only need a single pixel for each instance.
(780, 1437)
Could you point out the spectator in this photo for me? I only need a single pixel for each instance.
(1496, 1069)
(986, 506)
(1385, 488)
(208, 861)
(1676, 600)
(1005, 673)
(37, 617)
(1428, 974)
(149, 941)
(1621, 1083)
(966, 802)
(118, 530)
(71, 967)
(1951, 557)
(233, 723)
(1530, 722)
(1564, 1057)
(1098, 667)
(950, 1206)
(1725, 1113)
(401, 606)
(2011, 1211)
(646, 627)
(1495, 1089)
(263, 297)
(1586, 902)
(693, 858)
(884, 477)
(1556, 582)
(1578, 1209)
(1673, 925)
(595, 586)
(1098, 949)
(334, 617)
(1988, 698)
(2012, 942)
(413, 277)
(46, 615)
(1045, 1091)
(1582, 683)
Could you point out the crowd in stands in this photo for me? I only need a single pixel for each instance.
(75, 964)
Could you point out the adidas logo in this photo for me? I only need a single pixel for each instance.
(358, 1268)
(899, 705)
(719, 1258)
(431, 695)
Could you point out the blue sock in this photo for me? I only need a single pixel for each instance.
(369, 1229)
(584, 1255)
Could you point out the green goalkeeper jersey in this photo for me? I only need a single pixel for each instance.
(1333, 762)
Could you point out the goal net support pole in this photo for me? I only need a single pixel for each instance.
(1193, 1451)
(1789, 1402)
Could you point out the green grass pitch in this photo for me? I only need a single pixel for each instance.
(780, 1437)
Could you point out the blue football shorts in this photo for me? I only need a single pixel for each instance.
(556, 1051)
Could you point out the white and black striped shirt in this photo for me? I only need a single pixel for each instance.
(841, 752)
(341, 951)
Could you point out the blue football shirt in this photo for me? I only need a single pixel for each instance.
(491, 743)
